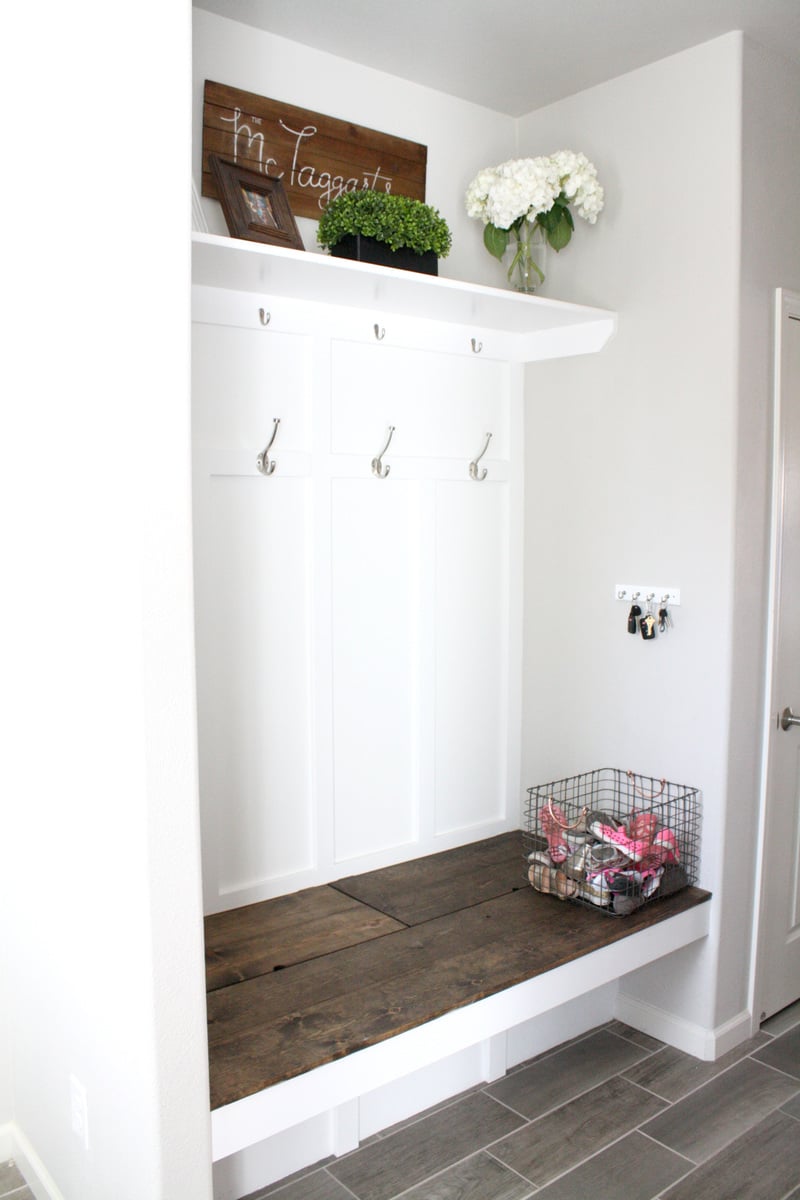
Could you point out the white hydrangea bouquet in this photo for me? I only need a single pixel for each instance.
(528, 200)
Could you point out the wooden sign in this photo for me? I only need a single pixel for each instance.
(316, 157)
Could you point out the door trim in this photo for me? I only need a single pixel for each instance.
(787, 305)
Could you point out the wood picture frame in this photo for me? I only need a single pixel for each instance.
(255, 205)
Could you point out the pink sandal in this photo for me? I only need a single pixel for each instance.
(615, 835)
(553, 826)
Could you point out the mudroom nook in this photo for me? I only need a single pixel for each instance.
(358, 487)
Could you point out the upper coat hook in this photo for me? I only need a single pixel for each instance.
(377, 465)
(380, 332)
(264, 316)
(473, 466)
(262, 462)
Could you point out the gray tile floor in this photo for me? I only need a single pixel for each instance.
(613, 1115)
(12, 1185)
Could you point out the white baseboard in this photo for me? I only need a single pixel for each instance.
(697, 1040)
(15, 1145)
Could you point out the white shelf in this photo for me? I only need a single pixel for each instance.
(532, 327)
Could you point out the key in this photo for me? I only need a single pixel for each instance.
(648, 626)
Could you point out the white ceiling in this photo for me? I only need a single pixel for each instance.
(514, 55)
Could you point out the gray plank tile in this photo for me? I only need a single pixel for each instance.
(634, 1035)
(477, 1178)
(395, 1163)
(554, 1080)
(673, 1074)
(705, 1121)
(10, 1177)
(554, 1143)
(783, 1053)
(535, 1058)
(317, 1185)
(635, 1167)
(792, 1107)
(762, 1164)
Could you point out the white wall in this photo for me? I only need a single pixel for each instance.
(104, 942)
(649, 463)
(631, 455)
(461, 137)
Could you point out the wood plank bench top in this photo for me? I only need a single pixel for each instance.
(303, 980)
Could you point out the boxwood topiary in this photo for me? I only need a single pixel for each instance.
(396, 220)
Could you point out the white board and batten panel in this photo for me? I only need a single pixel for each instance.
(421, 613)
(441, 405)
(355, 634)
(472, 645)
(376, 678)
(252, 597)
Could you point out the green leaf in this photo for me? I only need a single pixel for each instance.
(495, 240)
(559, 232)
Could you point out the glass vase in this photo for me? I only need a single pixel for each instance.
(525, 258)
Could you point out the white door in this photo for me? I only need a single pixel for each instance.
(778, 981)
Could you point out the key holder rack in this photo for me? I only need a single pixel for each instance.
(635, 593)
(650, 607)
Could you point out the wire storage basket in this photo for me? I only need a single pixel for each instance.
(611, 839)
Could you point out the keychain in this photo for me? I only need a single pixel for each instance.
(633, 618)
(647, 625)
(664, 619)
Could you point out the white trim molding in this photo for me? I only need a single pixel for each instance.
(15, 1145)
(707, 1044)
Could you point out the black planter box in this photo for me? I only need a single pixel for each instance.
(367, 249)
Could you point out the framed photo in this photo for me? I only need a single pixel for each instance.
(255, 205)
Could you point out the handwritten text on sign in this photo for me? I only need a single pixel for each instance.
(316, 157)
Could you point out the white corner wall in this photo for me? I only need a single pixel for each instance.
(103, 947)
(631, 475)
(461, 137)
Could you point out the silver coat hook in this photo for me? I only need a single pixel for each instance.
(476, 346)
(262, 462)
(377, 466)
(380, 332)
(473, 466)
(264, 316)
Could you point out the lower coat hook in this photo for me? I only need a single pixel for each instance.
(377, 465)
(474, 473)
(262, 462)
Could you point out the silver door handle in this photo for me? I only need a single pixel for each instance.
(788, 718)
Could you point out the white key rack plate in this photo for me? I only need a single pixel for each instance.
(669, 597)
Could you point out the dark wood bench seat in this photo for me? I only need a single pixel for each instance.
(304, 980)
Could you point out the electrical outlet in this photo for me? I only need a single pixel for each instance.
(79, 1109)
